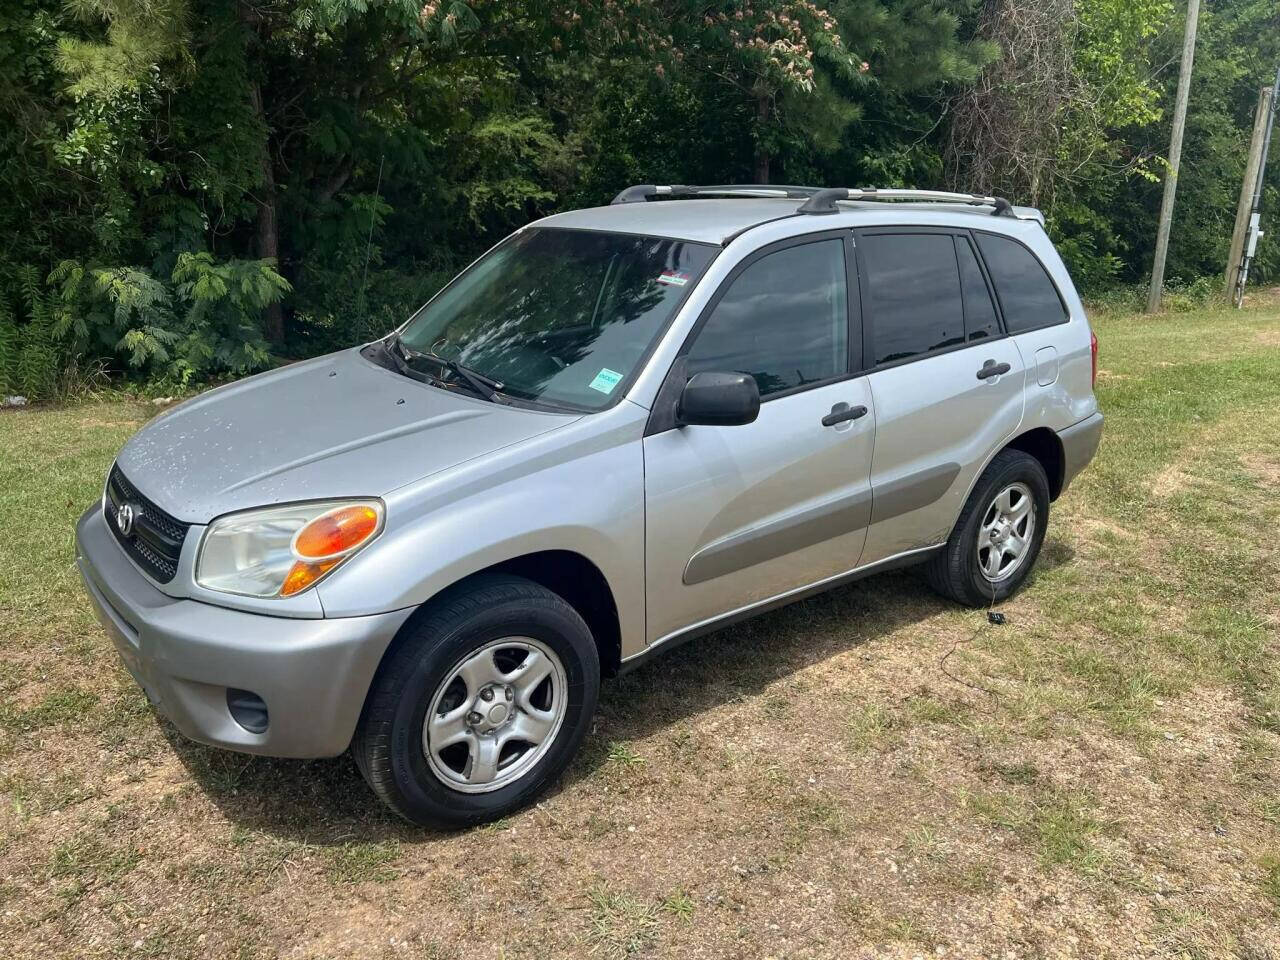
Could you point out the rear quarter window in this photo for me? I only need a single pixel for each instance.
(1027, 296)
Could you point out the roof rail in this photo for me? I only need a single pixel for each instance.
(818, 200)
(645, 191)
(824, 201)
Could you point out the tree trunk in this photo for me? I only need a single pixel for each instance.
(269, 249)
(762, 154)
(268, 223)
(762, 166)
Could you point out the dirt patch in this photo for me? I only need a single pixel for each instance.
(1262, 297)
(1265, 468)
(1099, 526)
(1171, 480)
(1104, 374)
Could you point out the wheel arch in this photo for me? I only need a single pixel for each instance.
(1043, 444)
(567, 573)
(584, 587)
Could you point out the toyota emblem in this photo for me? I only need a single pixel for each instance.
(124, 519)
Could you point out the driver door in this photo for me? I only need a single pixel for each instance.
(737, 515)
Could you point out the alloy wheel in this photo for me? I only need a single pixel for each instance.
(495, 715)
(1007, 530)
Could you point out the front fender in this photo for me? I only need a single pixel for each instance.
(580, 489)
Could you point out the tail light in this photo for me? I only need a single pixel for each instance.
(1093, 354)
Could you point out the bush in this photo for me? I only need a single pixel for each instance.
(203, 320)
(28, 358)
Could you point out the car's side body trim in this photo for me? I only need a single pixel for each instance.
(913, 491)
(780, 536)
(712, 624)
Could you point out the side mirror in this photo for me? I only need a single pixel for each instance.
(719, 400)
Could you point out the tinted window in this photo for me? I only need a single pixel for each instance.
(1027, 295)
(784, 320)
(913, 294)
(979, 311)
(559, 315)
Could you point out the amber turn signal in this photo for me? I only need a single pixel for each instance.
(333, 535)
(303, 575)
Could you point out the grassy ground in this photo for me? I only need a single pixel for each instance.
(869, 773)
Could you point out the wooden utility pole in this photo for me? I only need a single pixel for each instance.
(1245, 207)
(1253, 231)
(1175, 156)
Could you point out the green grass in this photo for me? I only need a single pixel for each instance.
(679, 904)
(621, 924)
(623, 756)
(363, 862)
(61, 706)
(1271, 878)
(1107, 762)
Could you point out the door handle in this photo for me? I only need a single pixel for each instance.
(842, 412)
(992, 369)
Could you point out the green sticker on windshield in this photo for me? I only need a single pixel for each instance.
(605, 380)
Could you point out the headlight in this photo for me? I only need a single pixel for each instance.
(280, 551)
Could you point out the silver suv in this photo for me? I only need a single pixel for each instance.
(618, 429)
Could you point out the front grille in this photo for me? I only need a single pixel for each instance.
(155, 539)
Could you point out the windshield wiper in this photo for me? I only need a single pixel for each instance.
(393, 360)
(486, 387)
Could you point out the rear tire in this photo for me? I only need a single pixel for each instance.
(481, 704)
(997, 538)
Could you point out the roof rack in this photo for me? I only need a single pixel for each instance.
(647, 191)
(824, 201)
(818, 200)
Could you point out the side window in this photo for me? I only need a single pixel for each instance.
(1027, 295)
(784, 320)
(912, 294)
(979, 311)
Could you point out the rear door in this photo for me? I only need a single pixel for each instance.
(735, 515)
(946, 380)
(1036, 317)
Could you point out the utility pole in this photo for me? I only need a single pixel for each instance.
(1252, 230)
(1245, 206)
(1175, 156)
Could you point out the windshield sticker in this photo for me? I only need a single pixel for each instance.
(673, 277)
(605, 380)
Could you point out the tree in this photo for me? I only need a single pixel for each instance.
(1044, 124)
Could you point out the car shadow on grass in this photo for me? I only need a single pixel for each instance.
(326, 803)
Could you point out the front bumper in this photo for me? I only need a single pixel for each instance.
(312, 674)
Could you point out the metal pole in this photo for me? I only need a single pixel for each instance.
(1255, 215)
(1175, 156)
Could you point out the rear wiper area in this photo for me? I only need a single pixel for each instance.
(486, 387)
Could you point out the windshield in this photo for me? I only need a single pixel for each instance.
(562, 316)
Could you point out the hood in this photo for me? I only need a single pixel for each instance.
(337, 426)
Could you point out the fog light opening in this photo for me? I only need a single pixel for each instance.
(247, 709)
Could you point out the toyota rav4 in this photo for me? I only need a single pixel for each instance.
(618, 429)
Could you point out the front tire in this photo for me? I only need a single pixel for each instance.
(481, 704)
(997, 538)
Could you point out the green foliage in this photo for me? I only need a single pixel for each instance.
(201, 320)
(10, 347)
(109, 310)
(193, 187)
(140, 36)
(36, 370)
(222, 304)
